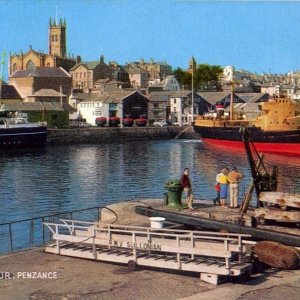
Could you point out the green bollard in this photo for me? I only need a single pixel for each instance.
(173, 194)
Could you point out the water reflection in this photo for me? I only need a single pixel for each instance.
(74, 177)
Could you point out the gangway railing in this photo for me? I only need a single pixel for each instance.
(144, 246)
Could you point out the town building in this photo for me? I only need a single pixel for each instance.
(155, 70)
(55, 83)
(118, 72)
(108, 85)
(181, 107)
(169, 83)
(52, 112)
(230, 73)
(8, 92)
(158, 107)
(56, 57)
(176, 107)
(85, 74)
(114, 104)
(138, 76)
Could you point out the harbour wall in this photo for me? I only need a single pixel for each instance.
(98, 135)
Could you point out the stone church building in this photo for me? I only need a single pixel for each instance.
(57, 56)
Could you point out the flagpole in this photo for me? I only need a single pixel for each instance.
(192, 91)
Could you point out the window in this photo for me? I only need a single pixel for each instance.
(30, 65)
(14, 69)
(98, 111)
(174, 100)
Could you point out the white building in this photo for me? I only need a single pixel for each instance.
(118, 103)
(180, 108)
(169, 83)
(231, 74)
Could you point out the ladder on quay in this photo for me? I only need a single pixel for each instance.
(209, 253)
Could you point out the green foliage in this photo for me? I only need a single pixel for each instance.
(59, 119)
(184, 78)
(206, 77)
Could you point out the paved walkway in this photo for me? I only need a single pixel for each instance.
(84, 279)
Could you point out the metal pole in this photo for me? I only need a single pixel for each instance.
(10, 238)
(31, 231)
(43, 220)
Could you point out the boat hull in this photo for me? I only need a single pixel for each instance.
(23, 137)
(284, 142)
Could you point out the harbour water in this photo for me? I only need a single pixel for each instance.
(66, 178)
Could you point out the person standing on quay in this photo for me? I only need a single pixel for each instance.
(234, 176)
(217, 187)
(187, 188)
(223, 186)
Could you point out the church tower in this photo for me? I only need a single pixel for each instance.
(192, 65)
(57, 38)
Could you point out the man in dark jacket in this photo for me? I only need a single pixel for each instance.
(187, 188)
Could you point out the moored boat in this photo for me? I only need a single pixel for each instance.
(17, 132)
(275, 130)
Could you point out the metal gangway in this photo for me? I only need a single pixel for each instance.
(209, 253)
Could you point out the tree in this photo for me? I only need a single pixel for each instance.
(207, 77)
(183, 77)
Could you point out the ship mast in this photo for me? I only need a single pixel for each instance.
(231, 99)
(192, 91)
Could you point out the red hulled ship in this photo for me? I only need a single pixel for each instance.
(275, 130)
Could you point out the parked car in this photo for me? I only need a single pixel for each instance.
(113, 121)
(101, 121)
(180, 124)
(141, 122)
(160, 124)
(128, 122)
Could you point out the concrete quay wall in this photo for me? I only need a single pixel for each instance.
(97, 135)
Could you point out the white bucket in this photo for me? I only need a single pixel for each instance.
(157, 222)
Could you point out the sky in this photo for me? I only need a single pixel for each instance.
(258, 36)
